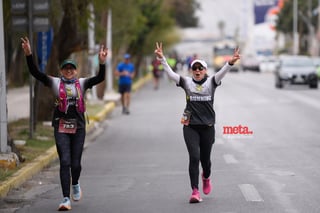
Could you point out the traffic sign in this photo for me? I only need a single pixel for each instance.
(38, 14)
(44, 44)
(40, 7)
(19, 7)
(39, 24)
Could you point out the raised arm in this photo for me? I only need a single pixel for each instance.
(223, 71)
(159, 53)
(33, 69)
(103, 53)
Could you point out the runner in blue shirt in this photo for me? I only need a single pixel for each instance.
(126, 72)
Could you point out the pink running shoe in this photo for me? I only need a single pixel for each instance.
(195, 197)
(206, 185)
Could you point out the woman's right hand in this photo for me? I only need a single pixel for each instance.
(26, 46)
(158, 51)
(103, 54)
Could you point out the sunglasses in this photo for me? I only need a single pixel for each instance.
(195, 68)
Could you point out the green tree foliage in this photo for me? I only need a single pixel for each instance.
(285, 19)
(151, 25)
(183, 12)
(136, 30)
(305, 18)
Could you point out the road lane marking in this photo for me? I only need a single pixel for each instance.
(304, 99)
(283, 173)
(229, 159)
(250, 193)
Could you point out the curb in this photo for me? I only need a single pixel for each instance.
(100, 115)
(43, 160)
(28, 171)
(51, 154)
(137, 85)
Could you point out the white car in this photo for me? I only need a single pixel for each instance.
(296, 69)
(268, 64)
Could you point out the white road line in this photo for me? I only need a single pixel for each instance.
(304, 99)
(229, 159)
(250, 193)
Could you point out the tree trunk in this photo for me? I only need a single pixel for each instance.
(44, 98)
(16, 74)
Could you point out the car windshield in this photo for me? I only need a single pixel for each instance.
(297, 62)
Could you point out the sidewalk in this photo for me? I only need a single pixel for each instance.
(15, 98)
(18, 103)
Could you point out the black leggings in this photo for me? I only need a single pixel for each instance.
(69, 147)
(199, 141)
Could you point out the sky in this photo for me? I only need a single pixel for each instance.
(238, 17)
(236, 14)
(209, 15)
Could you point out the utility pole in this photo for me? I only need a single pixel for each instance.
(91, 46)
(3, 91)
(313, 44)
(318, 29)
(31, 81)
(295, 28)
(310, 28)
(109, 57)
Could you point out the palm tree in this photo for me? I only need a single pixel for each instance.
(221, 26)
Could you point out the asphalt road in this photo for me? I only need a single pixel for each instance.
(138, 163)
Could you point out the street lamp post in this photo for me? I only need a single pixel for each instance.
(91, 47)
(3, 93)
(318, 29)
(295, 28)
(109, 57)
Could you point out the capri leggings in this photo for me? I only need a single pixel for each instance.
(69, 147)
(199, 140)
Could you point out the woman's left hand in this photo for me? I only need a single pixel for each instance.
(103, 53)
(235, 57)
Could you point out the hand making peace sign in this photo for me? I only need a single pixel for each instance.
(236, 56)
(103, 53)
(158, 51)
(26, 46)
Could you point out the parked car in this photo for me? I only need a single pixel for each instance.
(295, 69)
(316, 61)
